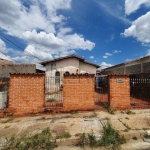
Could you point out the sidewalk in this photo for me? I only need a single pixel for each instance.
(133, 125)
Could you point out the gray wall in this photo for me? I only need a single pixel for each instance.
(5, 70)
(134, 69)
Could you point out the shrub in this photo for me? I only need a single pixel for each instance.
(7, 120)
(39, 141)
(109, 109)
(63, 135)
(111, 137)
(134, 138)
(129, 112)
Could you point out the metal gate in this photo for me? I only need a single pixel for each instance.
(53, 92)
(140, 92)
(101, 92)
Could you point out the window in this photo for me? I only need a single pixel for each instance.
(57, 77)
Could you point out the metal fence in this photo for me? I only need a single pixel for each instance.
(101, 92)
(54, 91)
(140, 92)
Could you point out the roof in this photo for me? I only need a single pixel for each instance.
(70, 56)
(4, 61)
(128, 62)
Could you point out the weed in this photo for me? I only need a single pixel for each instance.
(122, 112)
(92, 139)
(107, 118)
(94, 114)
(38, 141)
(147, 136)
(8, 120)
(6, 127)
(145, 128)
(109, 109)
(129, 112)
(63, 135)
(74, 112)
(111, 137)
(126, 118)
(126, 130)
(125, 125)
(134, 138)
(51, 100)
(83, 140)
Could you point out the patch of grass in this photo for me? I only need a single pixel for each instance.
(147, 136)
(127, 118)
(145, 128)
(7, 120)
(94, 114)
(122, 112)
(106, 118)
(6, 127)
(111, 138)
(74, 112)
(129, 112)
(51, 100)
(83, 140)
(126, 130)
(109, 109)
(38, 141)
(134, 138)
(64, 135)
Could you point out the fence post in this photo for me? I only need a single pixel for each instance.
(119, 92)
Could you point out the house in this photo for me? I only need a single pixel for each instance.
(68, 64)
(136, 66)
(56, 68)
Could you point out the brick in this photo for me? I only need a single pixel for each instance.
(26, 93)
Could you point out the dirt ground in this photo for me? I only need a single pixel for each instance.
(130, 125)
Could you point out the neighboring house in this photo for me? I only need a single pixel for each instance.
(137, 66)
(68, 64)
(7, 67)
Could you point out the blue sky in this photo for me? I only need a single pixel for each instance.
(104, 32)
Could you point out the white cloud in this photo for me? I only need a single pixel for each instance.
(108, 54)
(3, 51)
(105, 65)
(2, 56)
(105, 56)
(92, 57)
(132, 5)
(2, 47)
(116, 51)
(112, 37)
(42, 28)
(140, 29)
(109, 9)
(148, 52)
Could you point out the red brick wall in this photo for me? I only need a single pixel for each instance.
(78, 92)
(26, 93)
(119, 93)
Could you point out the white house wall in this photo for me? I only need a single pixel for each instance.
(71, 65)
(87, 68)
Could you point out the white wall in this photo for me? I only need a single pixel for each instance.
(71, 65)
(87, 68)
